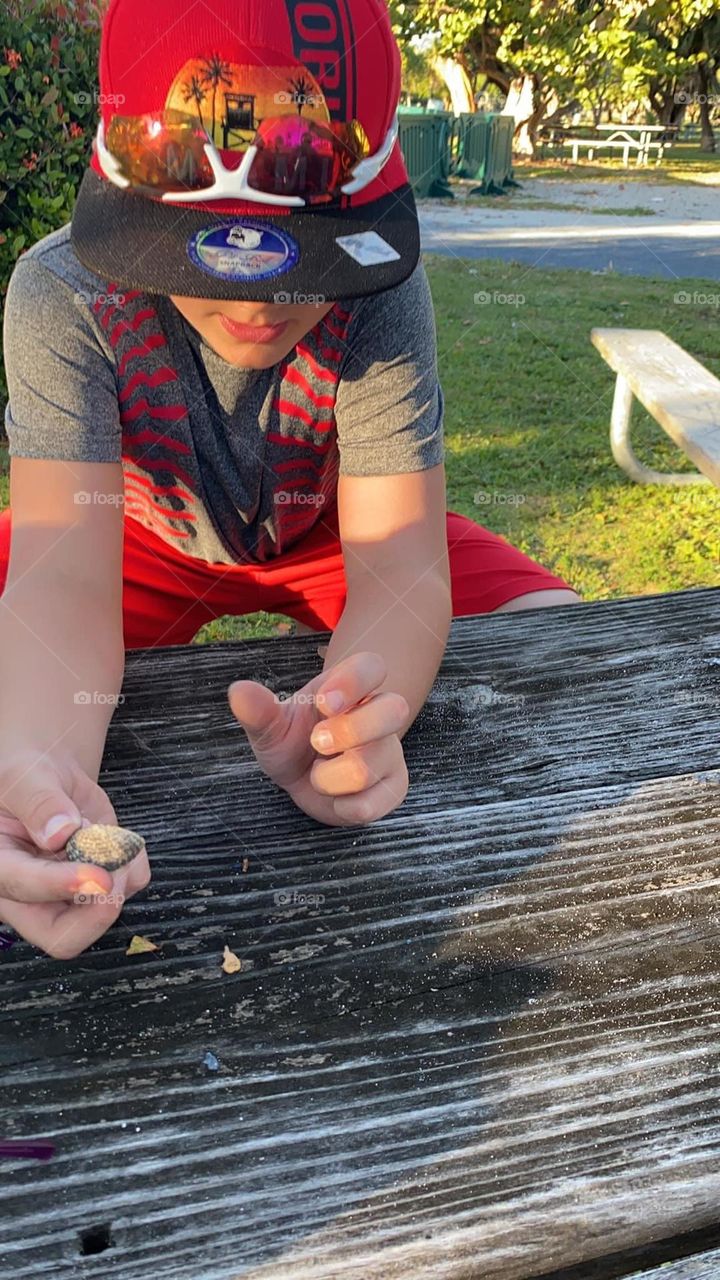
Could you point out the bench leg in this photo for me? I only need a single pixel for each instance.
(622, 450)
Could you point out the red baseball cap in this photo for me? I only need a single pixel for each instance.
(248, 149)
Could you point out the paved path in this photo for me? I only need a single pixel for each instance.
(647, 246)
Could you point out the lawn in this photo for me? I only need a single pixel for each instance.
(682, 163)
(528, 408)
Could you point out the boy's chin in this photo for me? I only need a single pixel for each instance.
(249, 356)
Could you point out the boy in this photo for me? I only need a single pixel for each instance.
(224, 397)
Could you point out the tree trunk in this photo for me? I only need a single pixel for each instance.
(706, 82)
(525, 104)
(669, 102)
(458, 83)
(707, 135)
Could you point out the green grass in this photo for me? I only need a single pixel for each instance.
(527, 416)
(528, 410)
(684, 163)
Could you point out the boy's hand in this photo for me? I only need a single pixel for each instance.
(357, 776)
(48, 900)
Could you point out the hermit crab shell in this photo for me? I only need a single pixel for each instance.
(104, 846)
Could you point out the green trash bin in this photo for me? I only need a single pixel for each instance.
(425, 144)
(501, 172)
(475, 145)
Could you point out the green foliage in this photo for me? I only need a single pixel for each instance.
(48, 113)
(600, 54)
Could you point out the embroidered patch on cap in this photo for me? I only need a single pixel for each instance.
(368, 248)
(243, 249)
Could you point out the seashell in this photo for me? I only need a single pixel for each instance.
(104, 846)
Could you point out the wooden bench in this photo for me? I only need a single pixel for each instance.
(680, 393)
(476, 1039)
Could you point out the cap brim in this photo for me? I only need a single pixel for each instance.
(145, 244)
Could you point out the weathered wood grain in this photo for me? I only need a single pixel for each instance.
(680, 393)
(705, 1266)
(490, 1050)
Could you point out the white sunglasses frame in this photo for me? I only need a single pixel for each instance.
(232, 184)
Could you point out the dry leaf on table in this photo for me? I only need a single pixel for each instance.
(139, 944)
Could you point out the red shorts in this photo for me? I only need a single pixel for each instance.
(168, 596)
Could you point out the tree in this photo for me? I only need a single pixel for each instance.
(194, 92)
(550, 56)
(215, 72)
(529, 49)
(301, 92)
(686, 47)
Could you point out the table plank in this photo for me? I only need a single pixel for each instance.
(704, 1266)
(491, 1049)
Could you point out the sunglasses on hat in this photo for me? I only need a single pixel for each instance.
(290, 161)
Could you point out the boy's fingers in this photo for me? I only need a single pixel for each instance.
(46, 813)
(385, 714)
(25, 877)
(257, 709)
(354, 678)
(357, 769)
(372, 804)
(59, 930)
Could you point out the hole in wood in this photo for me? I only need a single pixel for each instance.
(96, 1239)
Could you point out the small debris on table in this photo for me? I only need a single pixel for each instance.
(211, 1062)
(231, 963)
(245, 864)
(104, 845)
(138, 944)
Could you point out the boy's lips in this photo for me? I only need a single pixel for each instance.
(253, 332)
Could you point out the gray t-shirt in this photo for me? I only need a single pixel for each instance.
(226, 464)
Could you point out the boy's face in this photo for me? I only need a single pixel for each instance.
(252, 335)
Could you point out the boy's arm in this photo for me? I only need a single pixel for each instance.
(382, 658)
(61, 638)
(394, 539)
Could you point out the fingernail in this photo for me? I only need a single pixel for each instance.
(56, 824)
(91, 887)
(322, 738)
(334, 700)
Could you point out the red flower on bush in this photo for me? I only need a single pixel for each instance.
(30, 162)
(76, 130)
(13, 58)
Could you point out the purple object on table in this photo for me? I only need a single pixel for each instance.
(32, 1148)
(6, 943)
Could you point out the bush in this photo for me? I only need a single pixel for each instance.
(48, 114)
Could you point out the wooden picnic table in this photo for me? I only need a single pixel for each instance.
(480, 1038)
